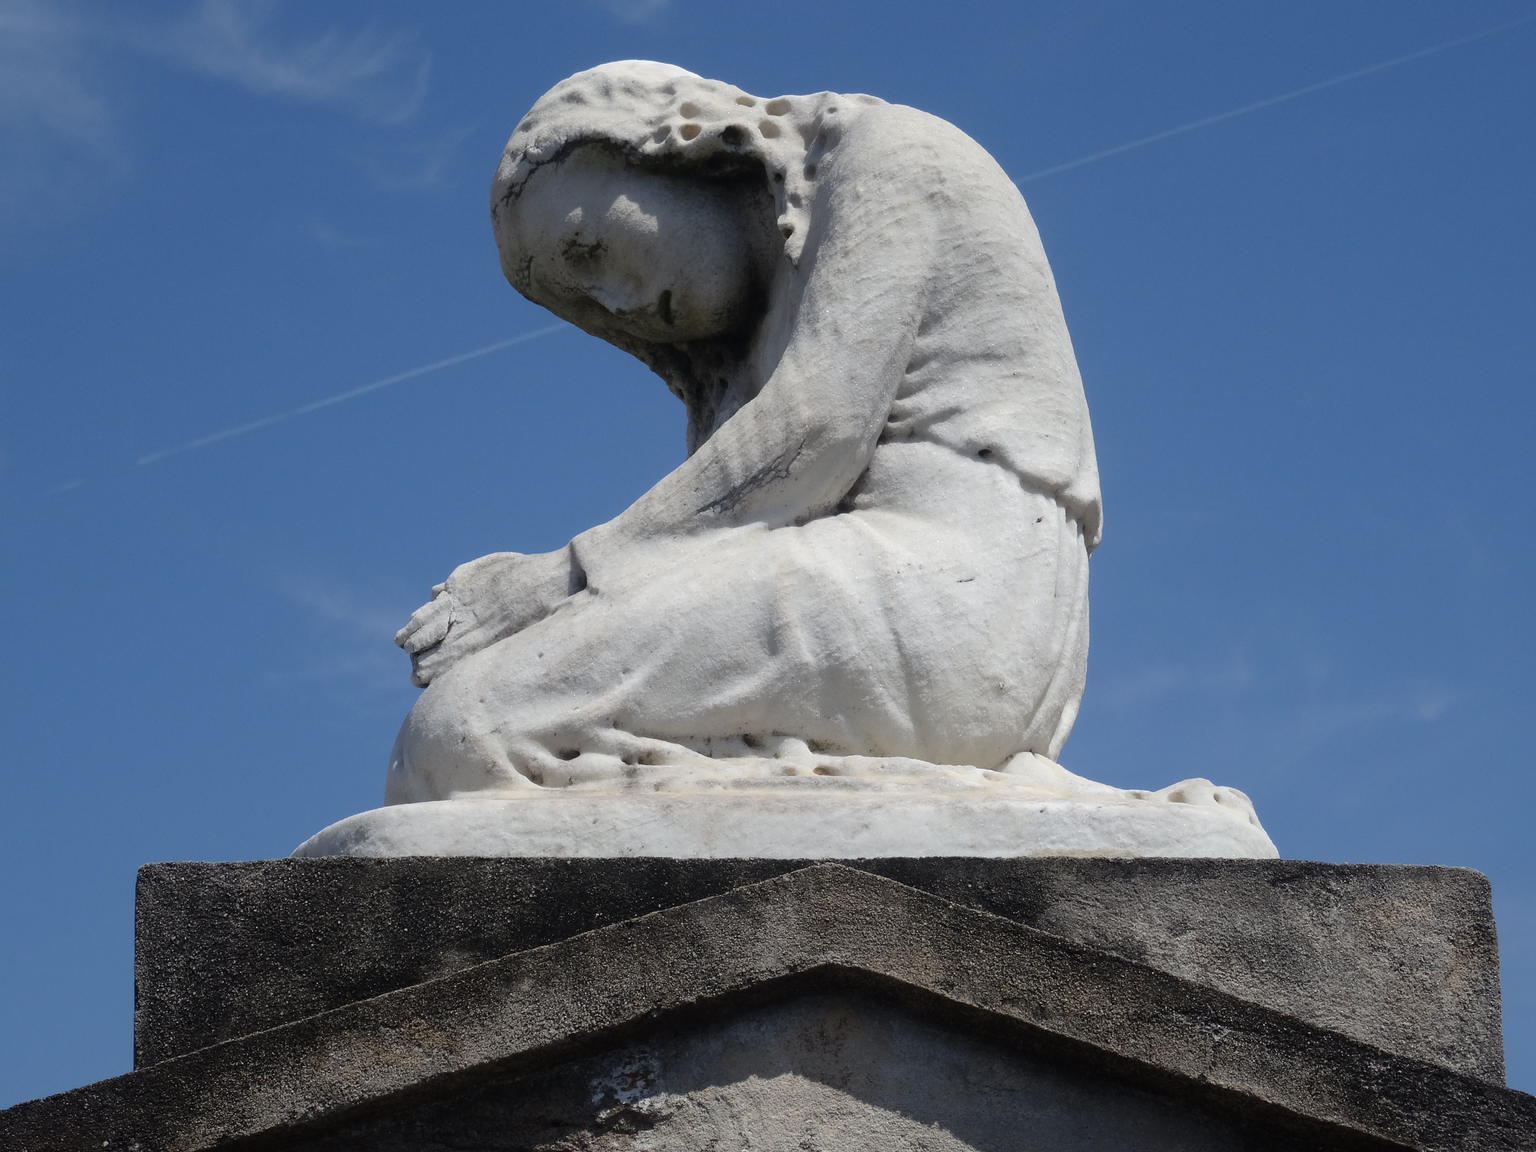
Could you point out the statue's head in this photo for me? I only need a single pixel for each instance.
(644, 191)
(625, 249)
(663, 212)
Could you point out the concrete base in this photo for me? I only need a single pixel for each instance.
(830, 1072)
(1400, 957)
(795, 825)
(825, 1008)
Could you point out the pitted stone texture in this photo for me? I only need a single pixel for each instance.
(1401, 957)
(870, 571)
(873, 560)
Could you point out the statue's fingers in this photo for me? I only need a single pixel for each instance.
(430, 663)
(403, 636)
(430, 635)
(427, 627)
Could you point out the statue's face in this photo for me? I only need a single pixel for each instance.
(661, 257)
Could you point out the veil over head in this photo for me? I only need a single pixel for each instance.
(671, 118)
(1032, 419)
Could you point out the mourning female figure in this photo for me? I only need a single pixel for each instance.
(872, 568)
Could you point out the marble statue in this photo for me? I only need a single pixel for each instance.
(869, 577)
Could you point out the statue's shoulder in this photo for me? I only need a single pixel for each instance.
(895, 124)
(898, 136)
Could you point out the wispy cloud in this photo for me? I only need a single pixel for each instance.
(1390, 705)
(632, 11)
(374, 75)
(420, 161)
(1153, 684)
(1299, 692)
(327, 235)
(63, 132)
(1272, 101)
(334, 604)
(56, 123)
(350, 633)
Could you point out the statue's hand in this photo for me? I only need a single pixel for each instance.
(480, 603)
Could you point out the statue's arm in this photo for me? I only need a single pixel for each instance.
(790, 453)
(795, 450)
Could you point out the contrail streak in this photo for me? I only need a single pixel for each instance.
(342, 397)
(1271, 101)
(1055, 169)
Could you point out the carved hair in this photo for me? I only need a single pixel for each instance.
(669, 119)
(672, 118)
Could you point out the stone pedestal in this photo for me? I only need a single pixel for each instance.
(406, 1004)
(828, 823)
(1402, 957)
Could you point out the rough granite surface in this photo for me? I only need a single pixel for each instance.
(821, 931)
(1401, 957)
(838, 1070)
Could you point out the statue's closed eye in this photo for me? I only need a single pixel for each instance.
(582, 254)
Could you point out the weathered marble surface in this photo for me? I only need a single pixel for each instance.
(795, 823)
(872, 564)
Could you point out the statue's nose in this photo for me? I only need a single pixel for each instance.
(616, 299)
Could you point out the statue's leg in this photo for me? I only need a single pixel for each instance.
(752, 636)
(858, 634)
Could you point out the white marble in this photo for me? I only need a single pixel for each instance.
(792, 825)
(871, 567)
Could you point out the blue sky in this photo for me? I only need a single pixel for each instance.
(233, 233)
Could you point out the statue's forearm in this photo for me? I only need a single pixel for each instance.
(797, 448)
(774, 462)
